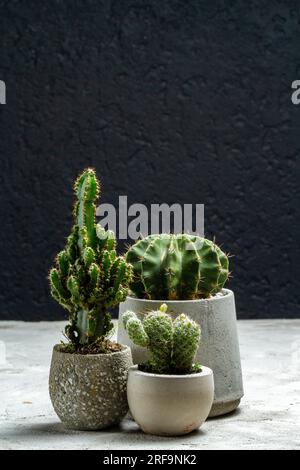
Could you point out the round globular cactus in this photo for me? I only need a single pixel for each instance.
(177, 267)
(89, 277)
(172, 343)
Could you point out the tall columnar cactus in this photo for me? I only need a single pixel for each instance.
(172, 343)
(177, 267)
(89, 277)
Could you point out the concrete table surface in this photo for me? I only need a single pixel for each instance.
(269, 416)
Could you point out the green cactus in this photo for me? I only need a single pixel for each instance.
(186, 334)
(177, 267)
(172, 343)
(89, 277)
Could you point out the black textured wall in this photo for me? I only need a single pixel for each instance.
(183, 101)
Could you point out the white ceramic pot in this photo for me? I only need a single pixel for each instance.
(219, 348)
(170, 405)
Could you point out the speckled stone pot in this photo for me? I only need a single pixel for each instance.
(219, 348)
(88, 392)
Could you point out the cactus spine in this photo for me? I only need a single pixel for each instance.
(89, 277)
(172, 343)
(177, 267)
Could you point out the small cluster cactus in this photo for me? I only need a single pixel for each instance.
(172, 343)
(89, 277)
(177, 267)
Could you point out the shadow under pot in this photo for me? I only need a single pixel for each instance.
(170, 405)
(88, 392)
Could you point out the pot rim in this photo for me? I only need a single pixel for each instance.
(205, 372)
(227, 293)
(125, 348)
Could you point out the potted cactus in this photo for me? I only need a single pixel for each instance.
(89, 372)
(188, 273)
(169, 394)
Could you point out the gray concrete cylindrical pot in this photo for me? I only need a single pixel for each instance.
(88, 392)
(219, 348)
(170, 405)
